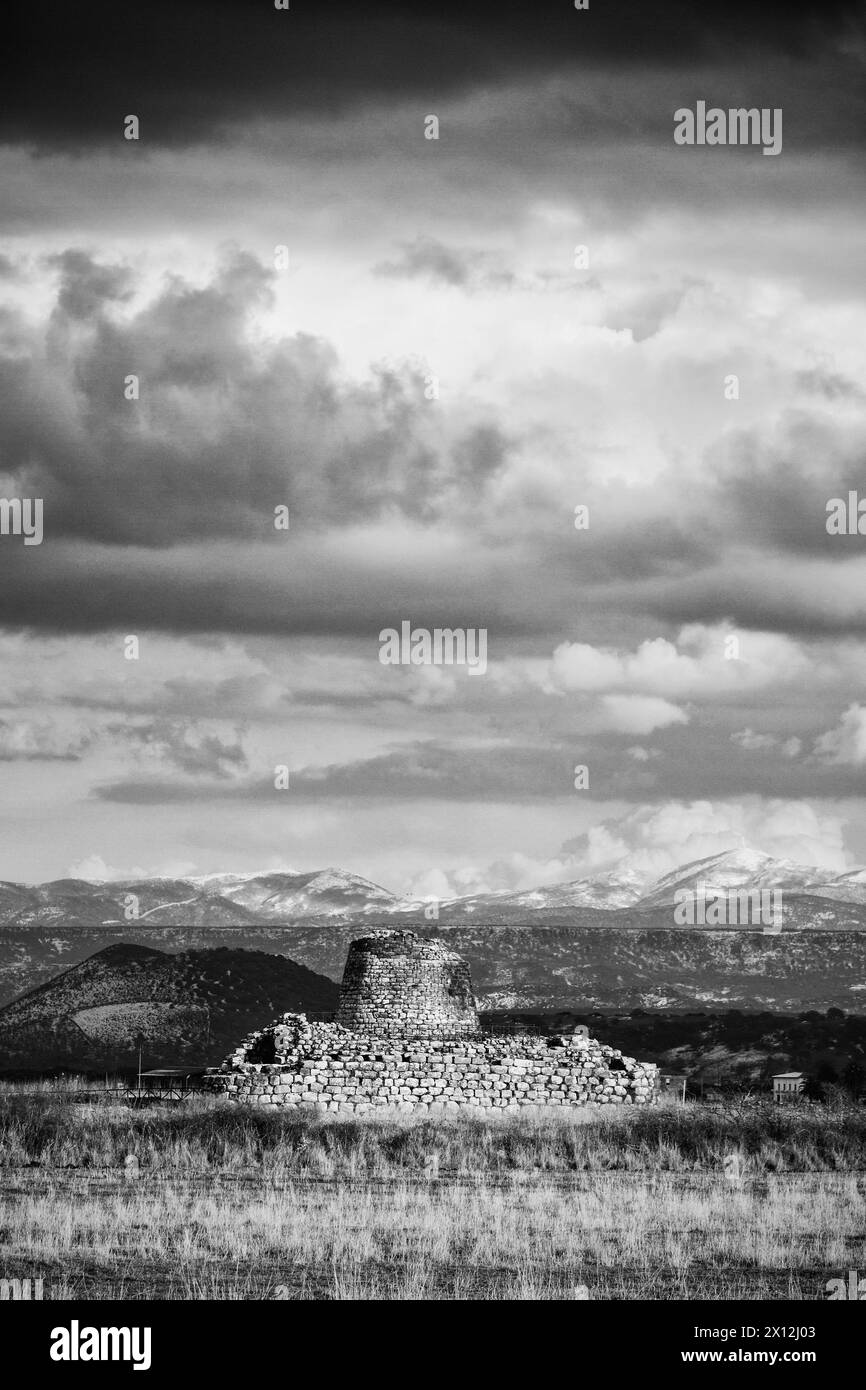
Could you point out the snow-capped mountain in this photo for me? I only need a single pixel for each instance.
(214, 900)
(616, 889)
(733, 869)
(610, 890)
(271, 898)
(849, 887)
(625, 889)
(275, 896)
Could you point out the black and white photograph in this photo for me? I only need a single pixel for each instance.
(432, 665)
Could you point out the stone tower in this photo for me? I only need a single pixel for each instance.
(397, 984)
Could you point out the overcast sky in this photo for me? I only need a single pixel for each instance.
(308, 386)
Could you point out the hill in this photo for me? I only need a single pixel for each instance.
(185, 1007)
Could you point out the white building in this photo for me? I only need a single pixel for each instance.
(787, 1085)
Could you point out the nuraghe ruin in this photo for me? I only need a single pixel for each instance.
(407, 1035)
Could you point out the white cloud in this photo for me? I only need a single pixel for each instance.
(752, 742)
(649, 841)
(656, 839)
(93, 868)
(640, 714)
(695, 667)
(847, 742)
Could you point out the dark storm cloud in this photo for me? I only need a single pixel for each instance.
(247, 589)
(157, 792)
(772, 483)
(761, 597)
(159, 513)
(192, 70)
(41, 740)
(693, 763)
(830, 385)
(193, 750)
(86, 287)
(425, 770)
(222, 433)
(425, 258)
(236, 697)
(433, 769)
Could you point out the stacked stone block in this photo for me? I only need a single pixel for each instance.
(422, 1052)
(324, 1065)
(398, 985)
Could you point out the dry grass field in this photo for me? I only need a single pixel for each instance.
(209, 1201)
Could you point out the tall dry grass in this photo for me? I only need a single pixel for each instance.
(208, 1134)
(223, 1202)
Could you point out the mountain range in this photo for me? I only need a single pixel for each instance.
(227, 899)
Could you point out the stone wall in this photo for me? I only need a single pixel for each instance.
(399, 985)
(407, 1035)
(299, 1064)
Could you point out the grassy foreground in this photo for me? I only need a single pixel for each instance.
(215, 1201)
